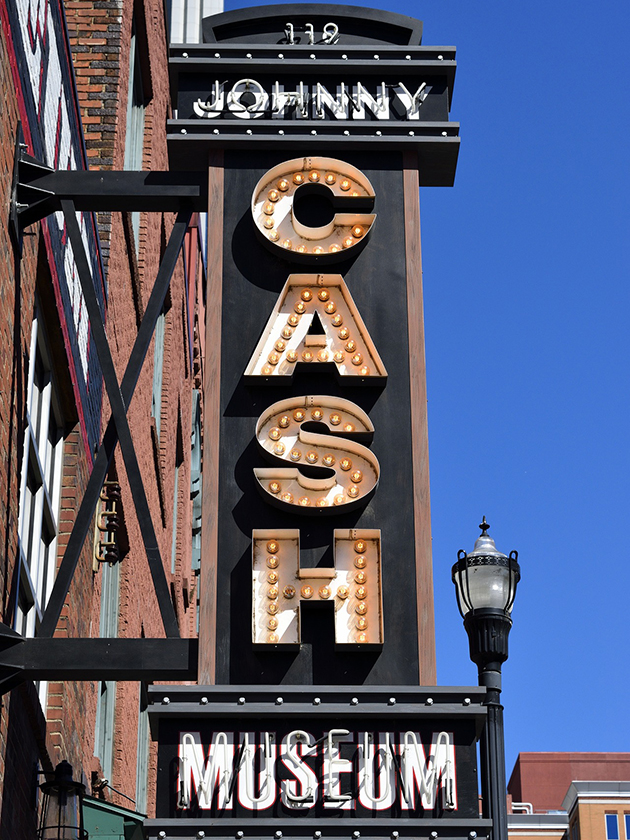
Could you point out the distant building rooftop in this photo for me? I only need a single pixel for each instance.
(595, 791)
(549, 824)
(542, 779)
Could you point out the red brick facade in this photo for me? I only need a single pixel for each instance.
(32, 739)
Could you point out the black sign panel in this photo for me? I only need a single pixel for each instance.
(285, 770)
(327, 75)
(308, 23)
(253, 279)
(249, 754)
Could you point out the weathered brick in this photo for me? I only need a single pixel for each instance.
(99, 33)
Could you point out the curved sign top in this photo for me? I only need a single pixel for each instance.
(312, 23)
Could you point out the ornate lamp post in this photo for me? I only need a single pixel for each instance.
(485, 581)
(62, 808)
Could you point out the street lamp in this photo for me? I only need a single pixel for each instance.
(62, 807)
(485, 582)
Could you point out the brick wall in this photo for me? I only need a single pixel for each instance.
(95, 28)
(100, 34)
(543, 778)
(26, 742)
(71, 705)
(24, 736)
(17, 284)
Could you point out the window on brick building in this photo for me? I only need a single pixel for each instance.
(178, 467)
(106, 703)
(179, 463)
(142, 763)
(158, 369)
(136, 108)
(612, 826)
(195, 494)
(111, 547)
(185, 18)
(195, 480)
(40, 489)
(574, 831)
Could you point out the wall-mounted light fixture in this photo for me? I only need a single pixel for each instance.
(62, 807)
(106, 547)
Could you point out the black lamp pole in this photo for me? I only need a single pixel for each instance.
(485, 581)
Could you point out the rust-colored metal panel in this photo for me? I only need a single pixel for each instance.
(211, 417)
(419, 430)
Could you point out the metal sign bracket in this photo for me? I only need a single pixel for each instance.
(37, 192)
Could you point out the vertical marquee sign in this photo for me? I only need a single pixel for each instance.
(318, 124)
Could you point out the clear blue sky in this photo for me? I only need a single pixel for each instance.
(526, 279)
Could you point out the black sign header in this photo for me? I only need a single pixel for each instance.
(334, 77)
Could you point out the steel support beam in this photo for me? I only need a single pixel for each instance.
(96, 659)
(119, 415)
(39, 191)
(110, 439)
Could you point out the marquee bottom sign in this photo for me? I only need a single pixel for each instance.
(247, 756)
(323, 770)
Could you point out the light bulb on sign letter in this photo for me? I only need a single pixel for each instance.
(279, 596)
(297, 308)
(285, 190)
(341, 462)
